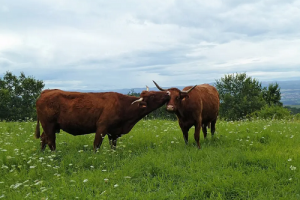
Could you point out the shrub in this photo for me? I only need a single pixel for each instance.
(271, 112)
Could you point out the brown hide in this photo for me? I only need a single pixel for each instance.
(199, 108)
(202, 100)
(83, 113)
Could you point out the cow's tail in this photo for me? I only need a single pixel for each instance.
(37, 129)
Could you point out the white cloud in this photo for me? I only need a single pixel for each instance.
(125, 44)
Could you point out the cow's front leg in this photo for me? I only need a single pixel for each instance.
(204, 129)
(185, 132)
(113, 144)
(213, 127)
(197, 134)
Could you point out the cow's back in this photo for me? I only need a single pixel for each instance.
(204, 100)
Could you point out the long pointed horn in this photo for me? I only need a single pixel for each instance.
(189, 90)
(147, 88)
(158, 87)
(138, 100)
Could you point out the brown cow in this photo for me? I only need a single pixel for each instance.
(194, 106)
(107, 113)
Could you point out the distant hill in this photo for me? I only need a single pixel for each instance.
(290, 91)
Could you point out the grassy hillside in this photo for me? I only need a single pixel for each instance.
(245, 160)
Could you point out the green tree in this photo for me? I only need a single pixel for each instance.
(18, 96)
(239, 96)
(272, 95)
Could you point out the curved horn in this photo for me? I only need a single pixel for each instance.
(147, 88)
(186, 92)
(138, 100)
(158, 87)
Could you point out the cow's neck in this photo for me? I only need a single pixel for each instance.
(142, 112)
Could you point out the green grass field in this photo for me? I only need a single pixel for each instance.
(244, 160)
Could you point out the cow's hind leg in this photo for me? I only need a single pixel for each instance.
(100, 134)
(50, 136)
(43, 141)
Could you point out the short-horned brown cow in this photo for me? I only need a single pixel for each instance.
(194, 106)
(107, 113)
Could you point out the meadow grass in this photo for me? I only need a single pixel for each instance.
(244, 160)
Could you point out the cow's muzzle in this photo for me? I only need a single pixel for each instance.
(170, 108)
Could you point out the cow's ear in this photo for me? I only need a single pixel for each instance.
(183, 96)
(142, 104)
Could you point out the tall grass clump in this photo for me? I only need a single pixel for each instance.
(256, 159)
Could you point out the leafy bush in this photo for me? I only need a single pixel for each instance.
(297, 116)
(271, 112)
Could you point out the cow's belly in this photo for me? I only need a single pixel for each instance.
(77, 125)
(78, 129)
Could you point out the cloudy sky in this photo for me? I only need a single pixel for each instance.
(106, 45)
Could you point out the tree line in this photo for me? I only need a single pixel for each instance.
(241, 97)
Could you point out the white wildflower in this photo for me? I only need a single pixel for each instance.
(38, 182)
(27, 195)
(85, 180)
(16, 185)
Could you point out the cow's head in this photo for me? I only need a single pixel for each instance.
(176, 96)
(152, 99)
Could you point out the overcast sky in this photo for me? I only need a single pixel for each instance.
(106, 45)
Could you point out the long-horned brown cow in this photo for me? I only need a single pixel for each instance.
(107, 113)
(194, 106)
